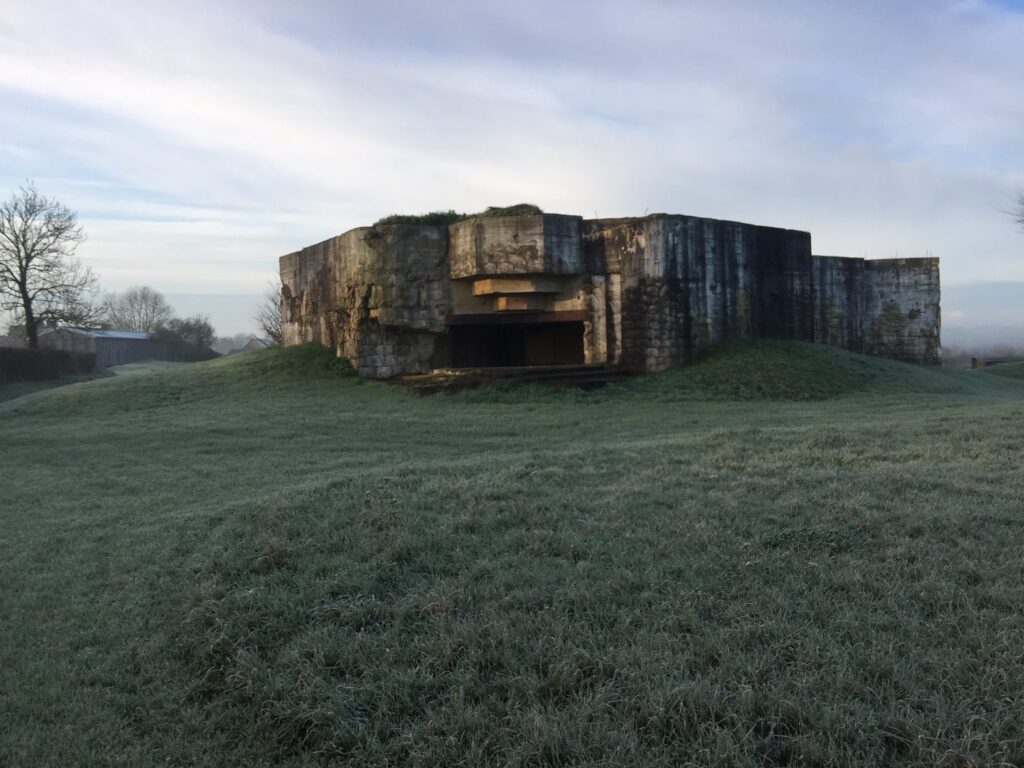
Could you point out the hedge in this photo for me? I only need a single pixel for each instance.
(39, 364)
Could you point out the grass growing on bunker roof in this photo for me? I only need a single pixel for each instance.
(264, 560)
(520, 209)
(451, 216)
(434, 217)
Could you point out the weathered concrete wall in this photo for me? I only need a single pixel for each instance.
(888, 307)
(516, 245)
(688, 283)
(839, 302)
(902, 316)
(379, 296)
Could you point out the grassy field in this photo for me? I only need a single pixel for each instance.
(12, 390)
(781, 555)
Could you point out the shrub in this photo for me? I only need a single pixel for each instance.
(40, 364)
(434, 217)
(522, 209)
(188, 340)
(451, 217)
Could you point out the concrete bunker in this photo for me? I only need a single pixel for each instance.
(517, 287)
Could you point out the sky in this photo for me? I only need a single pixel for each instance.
(199, 141)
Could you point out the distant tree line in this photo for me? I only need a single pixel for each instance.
(187, 339)
(960, 357)
(44, 286)
(144, 309)
(225, 345)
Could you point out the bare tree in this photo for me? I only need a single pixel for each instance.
(40, 280)
(269, 316)
(140, 308)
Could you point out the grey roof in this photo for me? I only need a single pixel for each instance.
(111, 333)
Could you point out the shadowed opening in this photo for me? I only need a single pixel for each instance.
(507, 345)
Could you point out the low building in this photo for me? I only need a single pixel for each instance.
(252, 345)
(111, 347)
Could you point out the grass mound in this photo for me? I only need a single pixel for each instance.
(301, 361)
(16, 389)
(1007, 370)
(789, 370)
(236, 381)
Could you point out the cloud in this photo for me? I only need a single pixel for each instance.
(200, 141)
